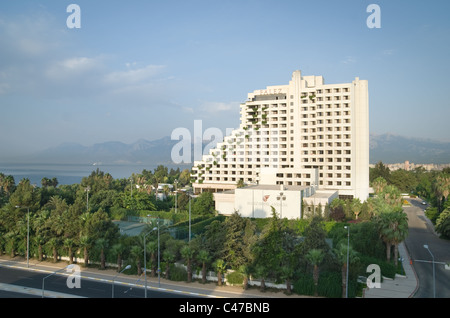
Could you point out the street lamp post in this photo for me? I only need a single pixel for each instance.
(87, 198)
(348, 254)
(43, 279)
(189, 217)
(434, 272)
(159, 270)
(281, 198)
(176, 190)
(127, 267)
(28, 233)
(145, 260)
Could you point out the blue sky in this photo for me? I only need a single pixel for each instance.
(140, 69)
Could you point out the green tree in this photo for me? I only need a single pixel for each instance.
(54, 243)
(278, 241)
(69, 244)
(169, 257)
(393, 229)
(379, 184)
(443, 223)
(380, 170)
(442, 189)
(185, 177)
(152, 248)
(204, 204)
(188, 254)
(86, 245)
(119, 250)
(203, 257)
(315, 257)
(240, 236)
(220, 266)
(340, 253)
(315, 235)
(26, 195)
(136, 253)
(356, 207)
(102, 244)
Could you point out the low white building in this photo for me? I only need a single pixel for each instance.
(257, 201)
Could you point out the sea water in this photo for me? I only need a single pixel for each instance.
(68, 173)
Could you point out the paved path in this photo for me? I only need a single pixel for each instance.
(400, 287)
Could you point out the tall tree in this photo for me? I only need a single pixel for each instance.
(102, 244)
(340, 253)
(240, 236)
(188, 254)
(203, 257)
(315, 257)
(393, 229)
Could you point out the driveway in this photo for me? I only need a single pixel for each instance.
(421, 232)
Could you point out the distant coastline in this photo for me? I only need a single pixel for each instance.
(72, 173)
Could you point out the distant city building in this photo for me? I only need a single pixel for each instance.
(410, 166)
(306, 134)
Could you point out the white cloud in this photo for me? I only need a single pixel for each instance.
(388, 52)
(214, 107)
(74, 66)
(134, 76)
(349, 60)
(4, 88)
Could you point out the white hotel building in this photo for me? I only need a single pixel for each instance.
(304, 134)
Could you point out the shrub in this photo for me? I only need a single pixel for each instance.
(330, 285)
(304, 285)
(235, 278)
(443, 223)
(178, 273)
(387, 269)
(432, 214)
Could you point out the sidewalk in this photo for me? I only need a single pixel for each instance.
(401, 286)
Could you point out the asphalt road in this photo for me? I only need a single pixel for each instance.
(420, 234)
(89, 288)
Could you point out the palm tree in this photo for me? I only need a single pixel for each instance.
(54, 243)
(393, 229)
(169, 257)
(315, 257)
(261, 273)
(356, 207)
(152, 247)
(69, 244)
(136, 253)
(204, 258)
(41, 231)
(85, 244)
(220, 267)
(119, 249)
(102, 244)
(188, 254)
(442, 188)
(397, 231)
(341, 255)
(246, 271)
(379, 184)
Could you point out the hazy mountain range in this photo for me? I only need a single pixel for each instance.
(390, 148)
(387, 148)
